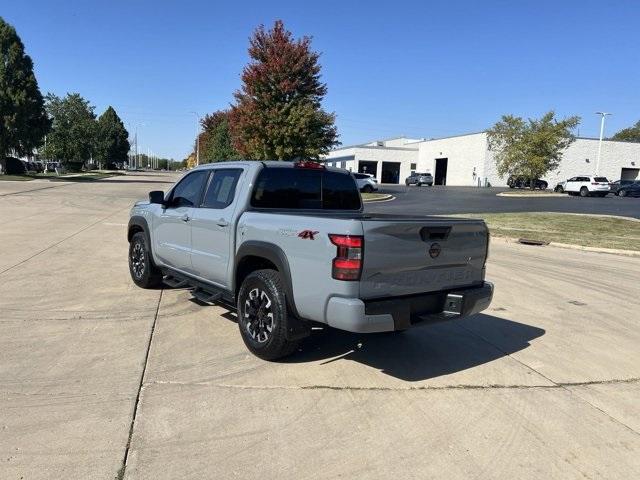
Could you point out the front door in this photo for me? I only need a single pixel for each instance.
(172, 226)
(212, 228)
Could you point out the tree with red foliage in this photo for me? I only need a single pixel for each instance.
(278, 113)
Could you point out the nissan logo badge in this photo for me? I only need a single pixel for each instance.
(434, 250)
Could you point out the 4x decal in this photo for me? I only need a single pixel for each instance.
(308, 234)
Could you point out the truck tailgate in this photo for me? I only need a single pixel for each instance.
(411, 255)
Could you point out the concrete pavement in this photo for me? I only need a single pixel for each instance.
(94, 371)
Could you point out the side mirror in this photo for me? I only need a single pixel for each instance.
(156, 196)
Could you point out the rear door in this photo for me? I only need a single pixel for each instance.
(572, 185)
(414, 255)
(172, 228)
(212, 227)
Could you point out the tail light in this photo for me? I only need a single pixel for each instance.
(347, 265)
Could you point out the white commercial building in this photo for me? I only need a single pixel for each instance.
(467, 160)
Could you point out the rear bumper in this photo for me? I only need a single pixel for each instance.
(400, 313)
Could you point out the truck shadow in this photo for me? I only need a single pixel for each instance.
(423, 352)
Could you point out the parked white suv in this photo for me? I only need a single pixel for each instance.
(366, 183)
(587, 185)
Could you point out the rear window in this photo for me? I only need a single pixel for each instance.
(601, 179)
(298, 188)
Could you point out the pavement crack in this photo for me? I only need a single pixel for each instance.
(567, 385)
(60, 241)
(399, 389)
(123, 468)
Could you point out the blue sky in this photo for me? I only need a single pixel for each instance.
(423, 69)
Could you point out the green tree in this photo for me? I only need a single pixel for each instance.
(631, 134)
(73, 131)
(215, 139)
(277, 114)
(112, 139)
(530, 148)
(23, 120)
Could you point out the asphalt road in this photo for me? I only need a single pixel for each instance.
(445, 200)
(99, 378)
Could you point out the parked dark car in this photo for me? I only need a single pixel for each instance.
(630, 190)
(522, 182)
(35, 167)
(615, 186)
(15, 166)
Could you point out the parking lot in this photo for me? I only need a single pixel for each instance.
(101, 379)
(440, 200)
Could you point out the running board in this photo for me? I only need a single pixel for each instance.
(205, 296)
(173, 282)
(202, 291)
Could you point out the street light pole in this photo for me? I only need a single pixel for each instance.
(197, 138)
(603, 115)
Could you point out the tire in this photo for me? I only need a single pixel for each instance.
(406, 183)
(559, 189)
(143, 271)
(543, 186)
(584, 192)
(263, 315)
(367, 189)
(622, 193)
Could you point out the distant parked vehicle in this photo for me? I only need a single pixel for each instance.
(366, 183)
(521, 182)
(51, 166)
(630, 190)
(587, 185)
(38, 167)
(419, 179)
(615, 186)
(15, 166)
(559, 188)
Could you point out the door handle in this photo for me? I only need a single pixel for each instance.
(185, 218)
(221, 222)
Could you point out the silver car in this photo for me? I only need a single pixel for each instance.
(419, 179)
(366, 183)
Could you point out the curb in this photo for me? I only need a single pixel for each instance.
(386, 198)
(530, 195)
(570, 246)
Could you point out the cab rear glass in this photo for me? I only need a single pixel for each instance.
(300, 188)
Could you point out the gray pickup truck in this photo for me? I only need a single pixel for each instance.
(289, 247)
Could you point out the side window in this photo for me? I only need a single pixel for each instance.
(187, 191)
(222, 188)
(572, 179)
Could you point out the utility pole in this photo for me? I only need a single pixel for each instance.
(603, 115)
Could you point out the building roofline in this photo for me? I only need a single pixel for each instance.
(388, 139)
(454, 136)
(608, 140)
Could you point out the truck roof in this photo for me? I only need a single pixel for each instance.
(266, 163)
